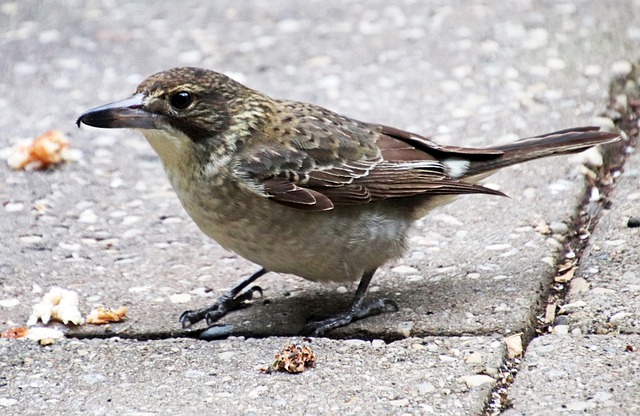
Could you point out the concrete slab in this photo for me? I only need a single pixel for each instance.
(182, 376)
(594, 374)
(605, 293)
(112, 229)
(571, 375)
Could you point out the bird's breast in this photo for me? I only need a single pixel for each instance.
(336, 245)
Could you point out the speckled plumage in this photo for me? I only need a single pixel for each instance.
(297, 188)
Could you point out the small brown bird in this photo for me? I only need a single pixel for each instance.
(299, 189)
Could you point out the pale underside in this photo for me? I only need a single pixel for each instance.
(339, 244)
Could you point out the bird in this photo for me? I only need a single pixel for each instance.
(296, 188)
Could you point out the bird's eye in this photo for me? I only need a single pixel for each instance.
(181, 100)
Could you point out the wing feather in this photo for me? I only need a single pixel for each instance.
(323, 160)
(290, 194)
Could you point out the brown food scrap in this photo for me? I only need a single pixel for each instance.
(104, 316)
(566, 266)
(565, 277)
(48, 149)
(14, 332)
(292, 359)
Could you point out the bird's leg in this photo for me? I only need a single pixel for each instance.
(357, 310)
(228, 302)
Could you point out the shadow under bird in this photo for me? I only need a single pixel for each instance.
(298, 189)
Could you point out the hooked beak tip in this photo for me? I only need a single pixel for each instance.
(127, 113)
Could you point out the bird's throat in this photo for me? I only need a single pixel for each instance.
(175, 149)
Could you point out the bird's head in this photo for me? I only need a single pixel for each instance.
(192, 101)
(186, 113)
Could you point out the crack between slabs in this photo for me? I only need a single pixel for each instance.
(623, 112)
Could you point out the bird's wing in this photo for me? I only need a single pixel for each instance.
(322, 160)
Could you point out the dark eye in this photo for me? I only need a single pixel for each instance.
(181, 100)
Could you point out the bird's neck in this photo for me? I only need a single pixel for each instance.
(175, 151)
(183, 158)
(249, 116)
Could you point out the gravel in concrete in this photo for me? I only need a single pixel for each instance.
(577, 375)
(186, 377)
(594, 374)
(604, 296)
(110, 228)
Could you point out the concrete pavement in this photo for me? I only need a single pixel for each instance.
(110, 228)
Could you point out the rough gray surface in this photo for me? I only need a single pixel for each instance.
(605, 294)
(415, 376)
(110, 228)
(113, 230)
(566, 375)
(594, 374)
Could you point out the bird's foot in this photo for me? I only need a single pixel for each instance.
(225, 304)
(361, 311)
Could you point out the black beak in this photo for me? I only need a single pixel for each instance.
(128, 113)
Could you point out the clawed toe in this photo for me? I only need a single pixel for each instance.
(236, 299)
(230, 301)
(189, 318)
(220, 308)
(355, 312)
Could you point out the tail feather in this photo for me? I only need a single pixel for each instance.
(557, 143)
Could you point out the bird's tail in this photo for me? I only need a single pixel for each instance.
(557, 143)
